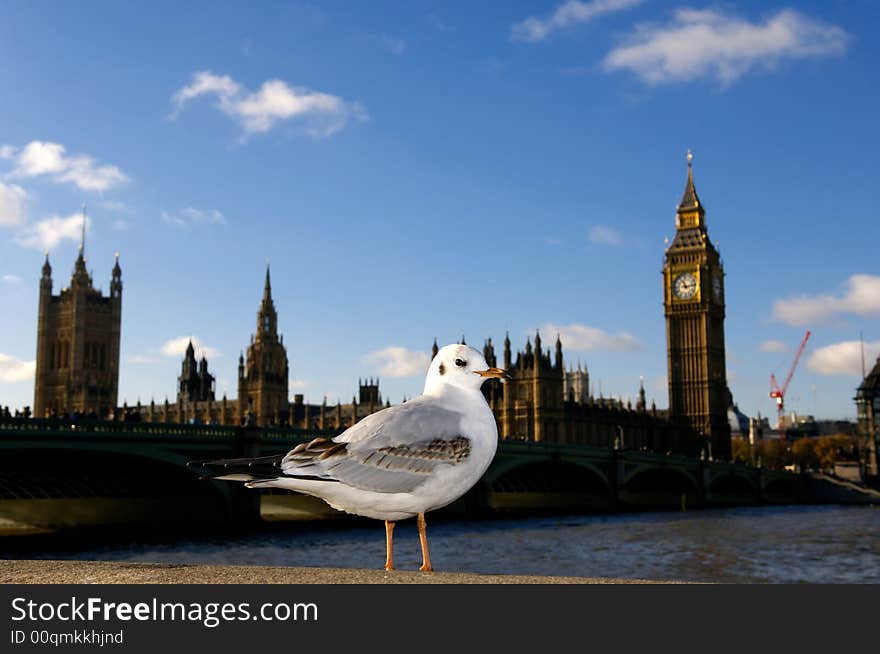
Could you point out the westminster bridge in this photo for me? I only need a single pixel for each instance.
(57, 473)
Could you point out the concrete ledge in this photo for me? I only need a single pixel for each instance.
(109, 572)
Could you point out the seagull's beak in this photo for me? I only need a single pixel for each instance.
(495, 373)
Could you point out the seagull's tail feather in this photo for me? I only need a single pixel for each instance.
(263, 468)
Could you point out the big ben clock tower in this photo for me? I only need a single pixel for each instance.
(693, 299)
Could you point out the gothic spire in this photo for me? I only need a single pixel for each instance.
(267, 289)
(267, 319)
(81, 277)
(641, 405)
(82, 242)
(690, 200)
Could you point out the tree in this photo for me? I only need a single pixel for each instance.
(774, 453)
(741, 449)
(831, 449)
(803, 453)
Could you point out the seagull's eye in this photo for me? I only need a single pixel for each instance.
(461, 363)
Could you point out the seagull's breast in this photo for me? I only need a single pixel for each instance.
(479, 427)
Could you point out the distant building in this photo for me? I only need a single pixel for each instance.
(740, 423)
(262, 382)
(576, 384)
(544, 402)
(832, 427)
(368, 392)
(801, 426)
(868, 411)
(78, 332)
(337, 416)
(263, 378)
(195, 383)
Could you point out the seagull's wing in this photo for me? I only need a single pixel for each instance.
(392, 451)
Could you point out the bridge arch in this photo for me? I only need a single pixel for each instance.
(548, 484)
(653, 477)
(104, 483)
(547, 474)
(780, 486)
(731, 482)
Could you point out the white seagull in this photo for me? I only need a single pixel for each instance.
(399, 462)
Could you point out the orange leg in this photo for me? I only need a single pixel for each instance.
(389, 545)
(423, 539)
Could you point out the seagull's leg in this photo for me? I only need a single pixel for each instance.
(423, 539)
(389, 545)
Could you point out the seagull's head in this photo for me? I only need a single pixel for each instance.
(462, 366)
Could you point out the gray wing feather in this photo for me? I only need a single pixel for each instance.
(392, 451)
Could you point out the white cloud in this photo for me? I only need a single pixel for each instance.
(843, 358)
(176, 347)
(709, 43)
(12, 201)
(605, 235)
(773, 346)
(205, 82)
(572, 12)
(438, 23)
(582, 338)
(16, 370)
(393, 44)
(190, 216)
(11, 279)
(40, 158)
(862, 297)
(398, 362)
(258, 112)
(46, 234)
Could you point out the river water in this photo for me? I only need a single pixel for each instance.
(826, 544)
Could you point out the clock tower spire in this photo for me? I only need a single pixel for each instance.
(693, 300)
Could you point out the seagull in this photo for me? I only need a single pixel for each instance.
(400, 462)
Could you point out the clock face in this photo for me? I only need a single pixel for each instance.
(716, 286)
(685, 286)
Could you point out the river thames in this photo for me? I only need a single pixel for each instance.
(791, 544)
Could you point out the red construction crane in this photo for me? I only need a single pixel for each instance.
(779, 393)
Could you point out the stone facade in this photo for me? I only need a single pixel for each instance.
(78, 333)
(543, 401)
(868, 411)
(195, 383)
(263, 376)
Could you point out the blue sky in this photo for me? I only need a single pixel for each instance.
(421, 169)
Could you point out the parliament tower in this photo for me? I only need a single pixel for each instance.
(78, 331)
(263, 378)
(693, 298)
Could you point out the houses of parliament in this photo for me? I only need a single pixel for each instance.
(78, 348)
